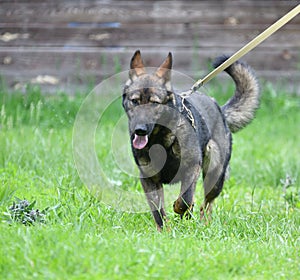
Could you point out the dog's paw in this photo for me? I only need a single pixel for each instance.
(181, 208)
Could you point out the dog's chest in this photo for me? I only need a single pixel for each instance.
(161, 159)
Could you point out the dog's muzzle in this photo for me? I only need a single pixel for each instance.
(140, 139)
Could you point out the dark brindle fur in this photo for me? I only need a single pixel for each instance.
(174, 140)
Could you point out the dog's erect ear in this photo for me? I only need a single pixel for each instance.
(163, 70)
(136, 65)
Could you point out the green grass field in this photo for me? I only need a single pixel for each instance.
(254, 232)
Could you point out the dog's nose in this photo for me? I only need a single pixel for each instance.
(141, 130)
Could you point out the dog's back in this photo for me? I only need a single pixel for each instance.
(221, 121)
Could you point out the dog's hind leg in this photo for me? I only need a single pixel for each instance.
(214, 170)
(155, 197)
(185, 202)
(206, 207)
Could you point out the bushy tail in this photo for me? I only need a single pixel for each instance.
(240, 108)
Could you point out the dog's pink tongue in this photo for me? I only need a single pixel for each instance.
(139, 142)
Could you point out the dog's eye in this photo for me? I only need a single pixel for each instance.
(134, 102)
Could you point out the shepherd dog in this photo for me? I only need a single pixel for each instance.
(175, 138)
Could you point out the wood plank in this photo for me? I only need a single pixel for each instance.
(100, 62)
(146, 35)
(281, 80)
(145, 11)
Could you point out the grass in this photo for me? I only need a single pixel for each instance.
(254, 233)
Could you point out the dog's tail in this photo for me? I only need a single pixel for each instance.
(240, 108)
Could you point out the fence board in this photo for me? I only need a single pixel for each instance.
(145, 11)
(179, 35)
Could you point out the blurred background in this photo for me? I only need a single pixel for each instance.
(68, 45)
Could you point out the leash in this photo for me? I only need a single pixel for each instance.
(244, 50)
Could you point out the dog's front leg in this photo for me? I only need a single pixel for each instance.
(185, 202)
(155, 197)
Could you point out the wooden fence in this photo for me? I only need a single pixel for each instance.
(67, 44)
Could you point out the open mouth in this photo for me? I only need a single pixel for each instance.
(140, 141)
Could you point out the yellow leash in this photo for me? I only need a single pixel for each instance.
(244, 50)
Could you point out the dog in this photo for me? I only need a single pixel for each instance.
(176, 138)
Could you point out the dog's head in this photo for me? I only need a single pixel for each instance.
(143, 97)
